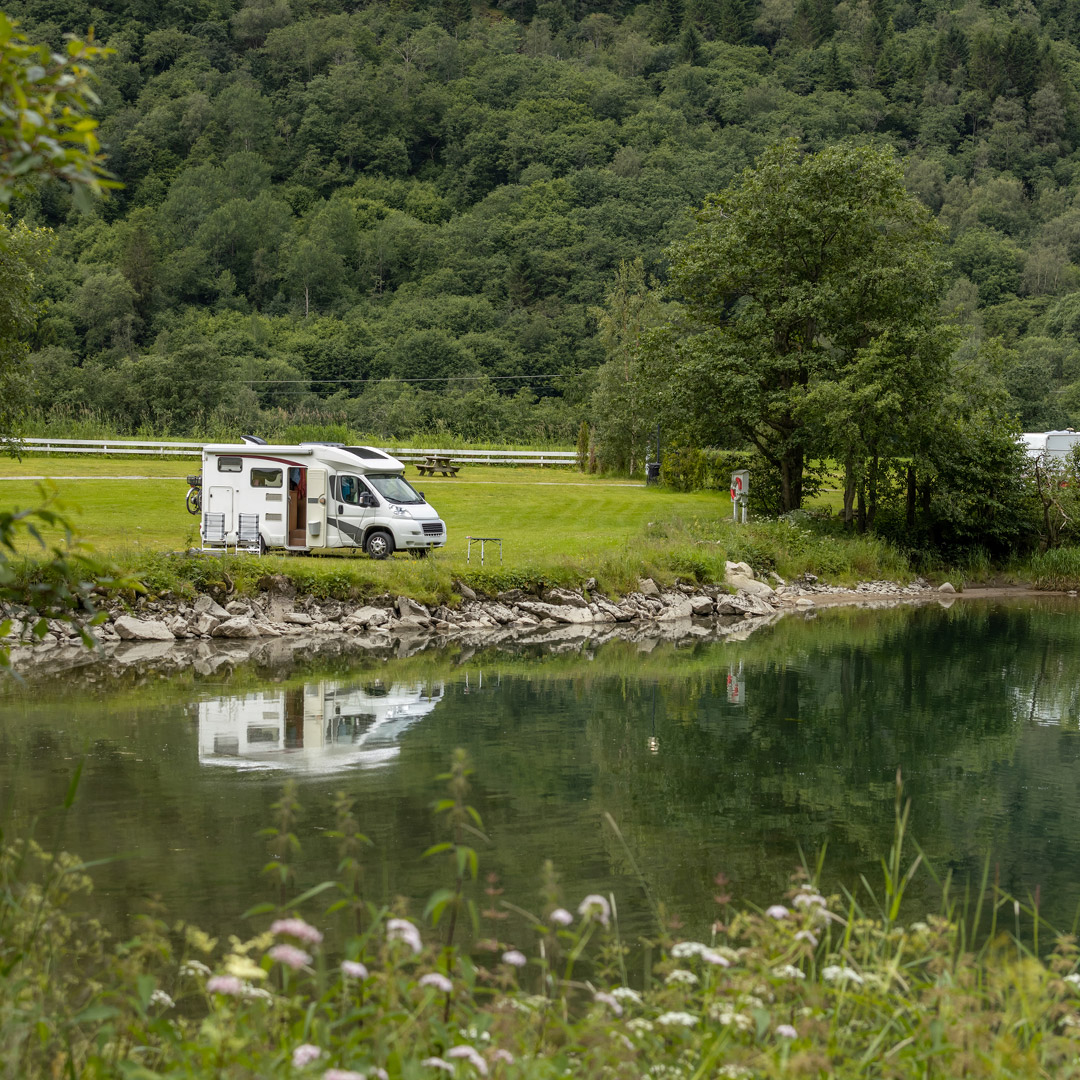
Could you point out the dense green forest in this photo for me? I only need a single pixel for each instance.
(322, 199)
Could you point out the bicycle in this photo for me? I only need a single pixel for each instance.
(194, 495)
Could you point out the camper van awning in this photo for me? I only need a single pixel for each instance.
(250, 450)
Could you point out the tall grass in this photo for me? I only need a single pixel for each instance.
(325, 983)
(1058, 568)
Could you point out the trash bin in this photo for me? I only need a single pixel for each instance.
(652, 472)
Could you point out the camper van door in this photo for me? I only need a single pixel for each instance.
(316, 508)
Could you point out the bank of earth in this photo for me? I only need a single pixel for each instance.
(744, 603)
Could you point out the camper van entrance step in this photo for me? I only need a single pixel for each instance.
(482, 540)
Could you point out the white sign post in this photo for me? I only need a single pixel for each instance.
(740, 489)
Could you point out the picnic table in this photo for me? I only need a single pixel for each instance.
(436, 464)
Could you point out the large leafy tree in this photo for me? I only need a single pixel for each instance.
(809, 276)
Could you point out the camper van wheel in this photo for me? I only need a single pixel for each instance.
(379, 544)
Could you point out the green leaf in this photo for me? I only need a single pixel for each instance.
(438, 849)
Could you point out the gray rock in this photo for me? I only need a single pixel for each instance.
(364, 617)
(804, 602)
(564, 596)
(742, 603)
(678, 607)
(605, 607)
(946, 586)
(648, 587)
(242, 626)
(741, 568)
(500, 613)
(132, 629)
(464, 590)
(701, 605)
(297, 618)
(560, 613)
(407, 607)
(205, 623)
(207, 605)
(265, 629)
(238, 607)
(755, 588)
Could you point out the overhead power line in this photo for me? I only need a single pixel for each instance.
(391, 378)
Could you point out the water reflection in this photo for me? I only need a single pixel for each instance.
(732, 756)
(320, 727)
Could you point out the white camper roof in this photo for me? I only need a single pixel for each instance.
(363, 459)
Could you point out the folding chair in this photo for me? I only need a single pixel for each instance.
(213, 533)
(248, 537)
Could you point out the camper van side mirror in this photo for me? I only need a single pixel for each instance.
(368, 500)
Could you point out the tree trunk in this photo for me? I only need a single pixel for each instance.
(861, 526)
(849, 490)
(872, 492)
(910, 508)
(791, 471)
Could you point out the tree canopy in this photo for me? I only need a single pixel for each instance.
(813, 283)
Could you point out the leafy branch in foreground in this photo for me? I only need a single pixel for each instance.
(46, 121)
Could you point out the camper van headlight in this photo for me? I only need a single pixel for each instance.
(400, 511)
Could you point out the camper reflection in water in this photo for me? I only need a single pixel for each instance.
(321, 727)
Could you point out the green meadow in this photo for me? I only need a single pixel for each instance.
(557, 526)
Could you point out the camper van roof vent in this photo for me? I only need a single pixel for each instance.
(335, 445)
(254, 439)
(368, 453)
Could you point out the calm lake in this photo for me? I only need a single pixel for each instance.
(731, 756)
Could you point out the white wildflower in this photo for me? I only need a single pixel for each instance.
(639, 1026)
(805, 935)
(786, 1031)
(789, 971)
(809, 899)
(625, 993)
(194, 967)
(712, 956)
(1073, 979)
(609, 1000)
(437, 981)
(730, 1018)
(561, 917)
(159, 997)
(777, 911)
(836, 973)
(677, 1019)
(683, 949)
(681, 975)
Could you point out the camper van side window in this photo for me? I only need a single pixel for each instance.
(266, 478)
(230, 464)
(350, 490)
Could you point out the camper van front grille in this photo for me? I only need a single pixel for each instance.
(433, 528)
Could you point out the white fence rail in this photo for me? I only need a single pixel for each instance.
(182, 449)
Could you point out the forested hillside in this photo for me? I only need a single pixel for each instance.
(323, 198)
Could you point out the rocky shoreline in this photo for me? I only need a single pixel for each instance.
(280, 622)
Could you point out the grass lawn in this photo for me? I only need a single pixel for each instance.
(556, 524)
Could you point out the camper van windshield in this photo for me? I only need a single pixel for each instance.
(395, 489)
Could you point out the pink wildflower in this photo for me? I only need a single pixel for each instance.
(471, 1056)
(777, 911)
(290, 956)
(403, 930)
(225, 984)
(596, 907)
(609, 1001)
(353, 969)
(438, 981)
(805, 935)
(503, 1055)
(342, 1074)
(305, 1054)
(514, 958)
(438, 1063)
(561, 917)
(786, 1031)
(298, 929)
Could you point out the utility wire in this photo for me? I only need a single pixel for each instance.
(391, 378)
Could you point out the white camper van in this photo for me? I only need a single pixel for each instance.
(311, 497)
